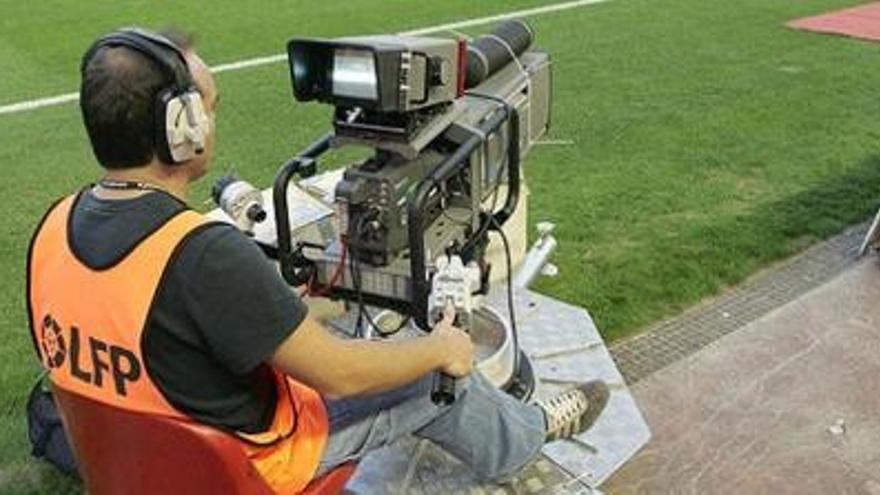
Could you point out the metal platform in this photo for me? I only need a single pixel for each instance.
(565, 348)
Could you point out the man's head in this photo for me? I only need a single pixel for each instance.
(124, 114)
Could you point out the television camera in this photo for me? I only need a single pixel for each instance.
(449, 122)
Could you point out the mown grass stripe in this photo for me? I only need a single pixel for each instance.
(28, 105)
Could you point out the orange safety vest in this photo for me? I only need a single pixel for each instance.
(87, 325)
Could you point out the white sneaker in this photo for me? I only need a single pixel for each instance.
(574, 411)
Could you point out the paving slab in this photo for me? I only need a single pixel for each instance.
(789, 403)
(677, 338)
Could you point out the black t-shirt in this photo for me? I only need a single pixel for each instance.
(220, 312)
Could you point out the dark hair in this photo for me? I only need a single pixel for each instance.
(118, 96)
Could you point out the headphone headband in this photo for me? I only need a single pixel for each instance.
(156, 47)
(180, 122)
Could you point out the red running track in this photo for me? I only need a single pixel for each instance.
(857, 22)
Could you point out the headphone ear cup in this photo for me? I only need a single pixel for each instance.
(186, 126)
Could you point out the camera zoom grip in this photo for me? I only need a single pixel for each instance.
(444, 390)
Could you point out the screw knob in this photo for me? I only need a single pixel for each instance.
(545, 228)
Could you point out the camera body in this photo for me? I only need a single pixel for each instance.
(371, 200)
(372, 196)
(446, 162)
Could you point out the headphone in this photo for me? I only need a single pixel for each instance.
(181, 125)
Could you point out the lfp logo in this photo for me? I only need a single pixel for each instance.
(88, 358)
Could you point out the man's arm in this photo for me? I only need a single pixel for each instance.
(338, 367)
(248, 315)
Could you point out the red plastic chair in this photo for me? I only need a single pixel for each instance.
(120, 451)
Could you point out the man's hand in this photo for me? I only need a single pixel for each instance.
(455, 344)
(338, 367)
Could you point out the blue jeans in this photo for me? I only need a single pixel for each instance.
(493, 433)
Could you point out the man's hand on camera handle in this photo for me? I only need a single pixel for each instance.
(455, 344)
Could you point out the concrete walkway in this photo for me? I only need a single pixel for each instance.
(789, 403)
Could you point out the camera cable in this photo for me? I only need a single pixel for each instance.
(514, 331)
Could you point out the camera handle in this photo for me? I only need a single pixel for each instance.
(295, 268)
(456, 286)
(443, 393)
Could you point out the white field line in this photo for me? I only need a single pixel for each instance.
(546, 9)
(24, 106)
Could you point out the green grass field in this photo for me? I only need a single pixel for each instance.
(709, 142)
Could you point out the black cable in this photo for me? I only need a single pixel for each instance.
(357, 290)
(357, 284)
(485, 227)
(506, 144)
(356, 280)
(363, 314)
(510, 305)
(354, 270)
(467, 197)
(505, 241)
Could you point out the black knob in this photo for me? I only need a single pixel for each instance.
(256, 213)
(444, 390)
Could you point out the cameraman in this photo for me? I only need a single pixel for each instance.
(174, 315)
